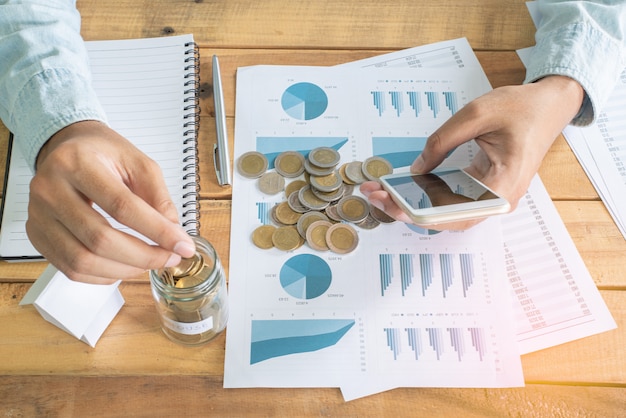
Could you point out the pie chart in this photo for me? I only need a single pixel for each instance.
(304, 101)
(305, 276)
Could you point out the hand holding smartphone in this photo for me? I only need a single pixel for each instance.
(443, 196)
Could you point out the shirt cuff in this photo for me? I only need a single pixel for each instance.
(48, 102)
(584, 53)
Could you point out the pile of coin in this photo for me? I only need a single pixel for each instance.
(320, 209)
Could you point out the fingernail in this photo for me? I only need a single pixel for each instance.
(418, 165)
(184, 249)
(174, 260)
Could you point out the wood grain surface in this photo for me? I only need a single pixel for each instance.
(136, 371)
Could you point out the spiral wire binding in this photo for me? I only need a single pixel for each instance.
(191, 176)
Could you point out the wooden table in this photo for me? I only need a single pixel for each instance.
(136, 371)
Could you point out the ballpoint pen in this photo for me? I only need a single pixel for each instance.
(221, 155)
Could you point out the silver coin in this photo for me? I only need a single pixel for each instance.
(271, 183)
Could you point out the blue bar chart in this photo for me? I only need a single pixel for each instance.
(450, 344)
(432, 99)
(443, 274)
(263, 212)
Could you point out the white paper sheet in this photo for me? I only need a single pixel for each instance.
(554, 296)
(534, 235)
(353, 317)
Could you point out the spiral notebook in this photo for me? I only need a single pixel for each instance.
(149, 91)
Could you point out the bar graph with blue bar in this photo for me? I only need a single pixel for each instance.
(457, 342)
(406, 271)
(414, 102)
(448, 344)
(433, 102)
(447, 271)
(467, 271)
(397, 102)
(386, 271)
(435, 339)
(478, 341)
(451, 102)
(379, 101)
(444, 274)
(432, 99)
(263, 212)
(393, 341)
(415, 341)
(426, 271)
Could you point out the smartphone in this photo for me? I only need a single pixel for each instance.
(443, 196)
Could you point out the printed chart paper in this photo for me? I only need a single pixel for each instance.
(419, 305)
(539, 259)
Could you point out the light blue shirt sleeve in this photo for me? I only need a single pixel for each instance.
(45, 80)
(586, 41)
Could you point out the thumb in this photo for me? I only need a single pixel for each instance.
(460, 128)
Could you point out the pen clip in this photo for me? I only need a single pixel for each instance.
(217, 163)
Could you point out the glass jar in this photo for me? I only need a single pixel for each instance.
(191, 298)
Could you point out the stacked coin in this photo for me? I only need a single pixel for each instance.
(321, 209)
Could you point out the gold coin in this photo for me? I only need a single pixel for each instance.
(189, 281)
(341, 238)
(289, 164)
(287, 238)
(316, 235)
(294, 186)
(286, 215)
(328, 183)
(375, 167)
(324, 157)
(252, 164)
(354, 172)
(353, 208)
(262, 236)
(307, 219)
(271, 183)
